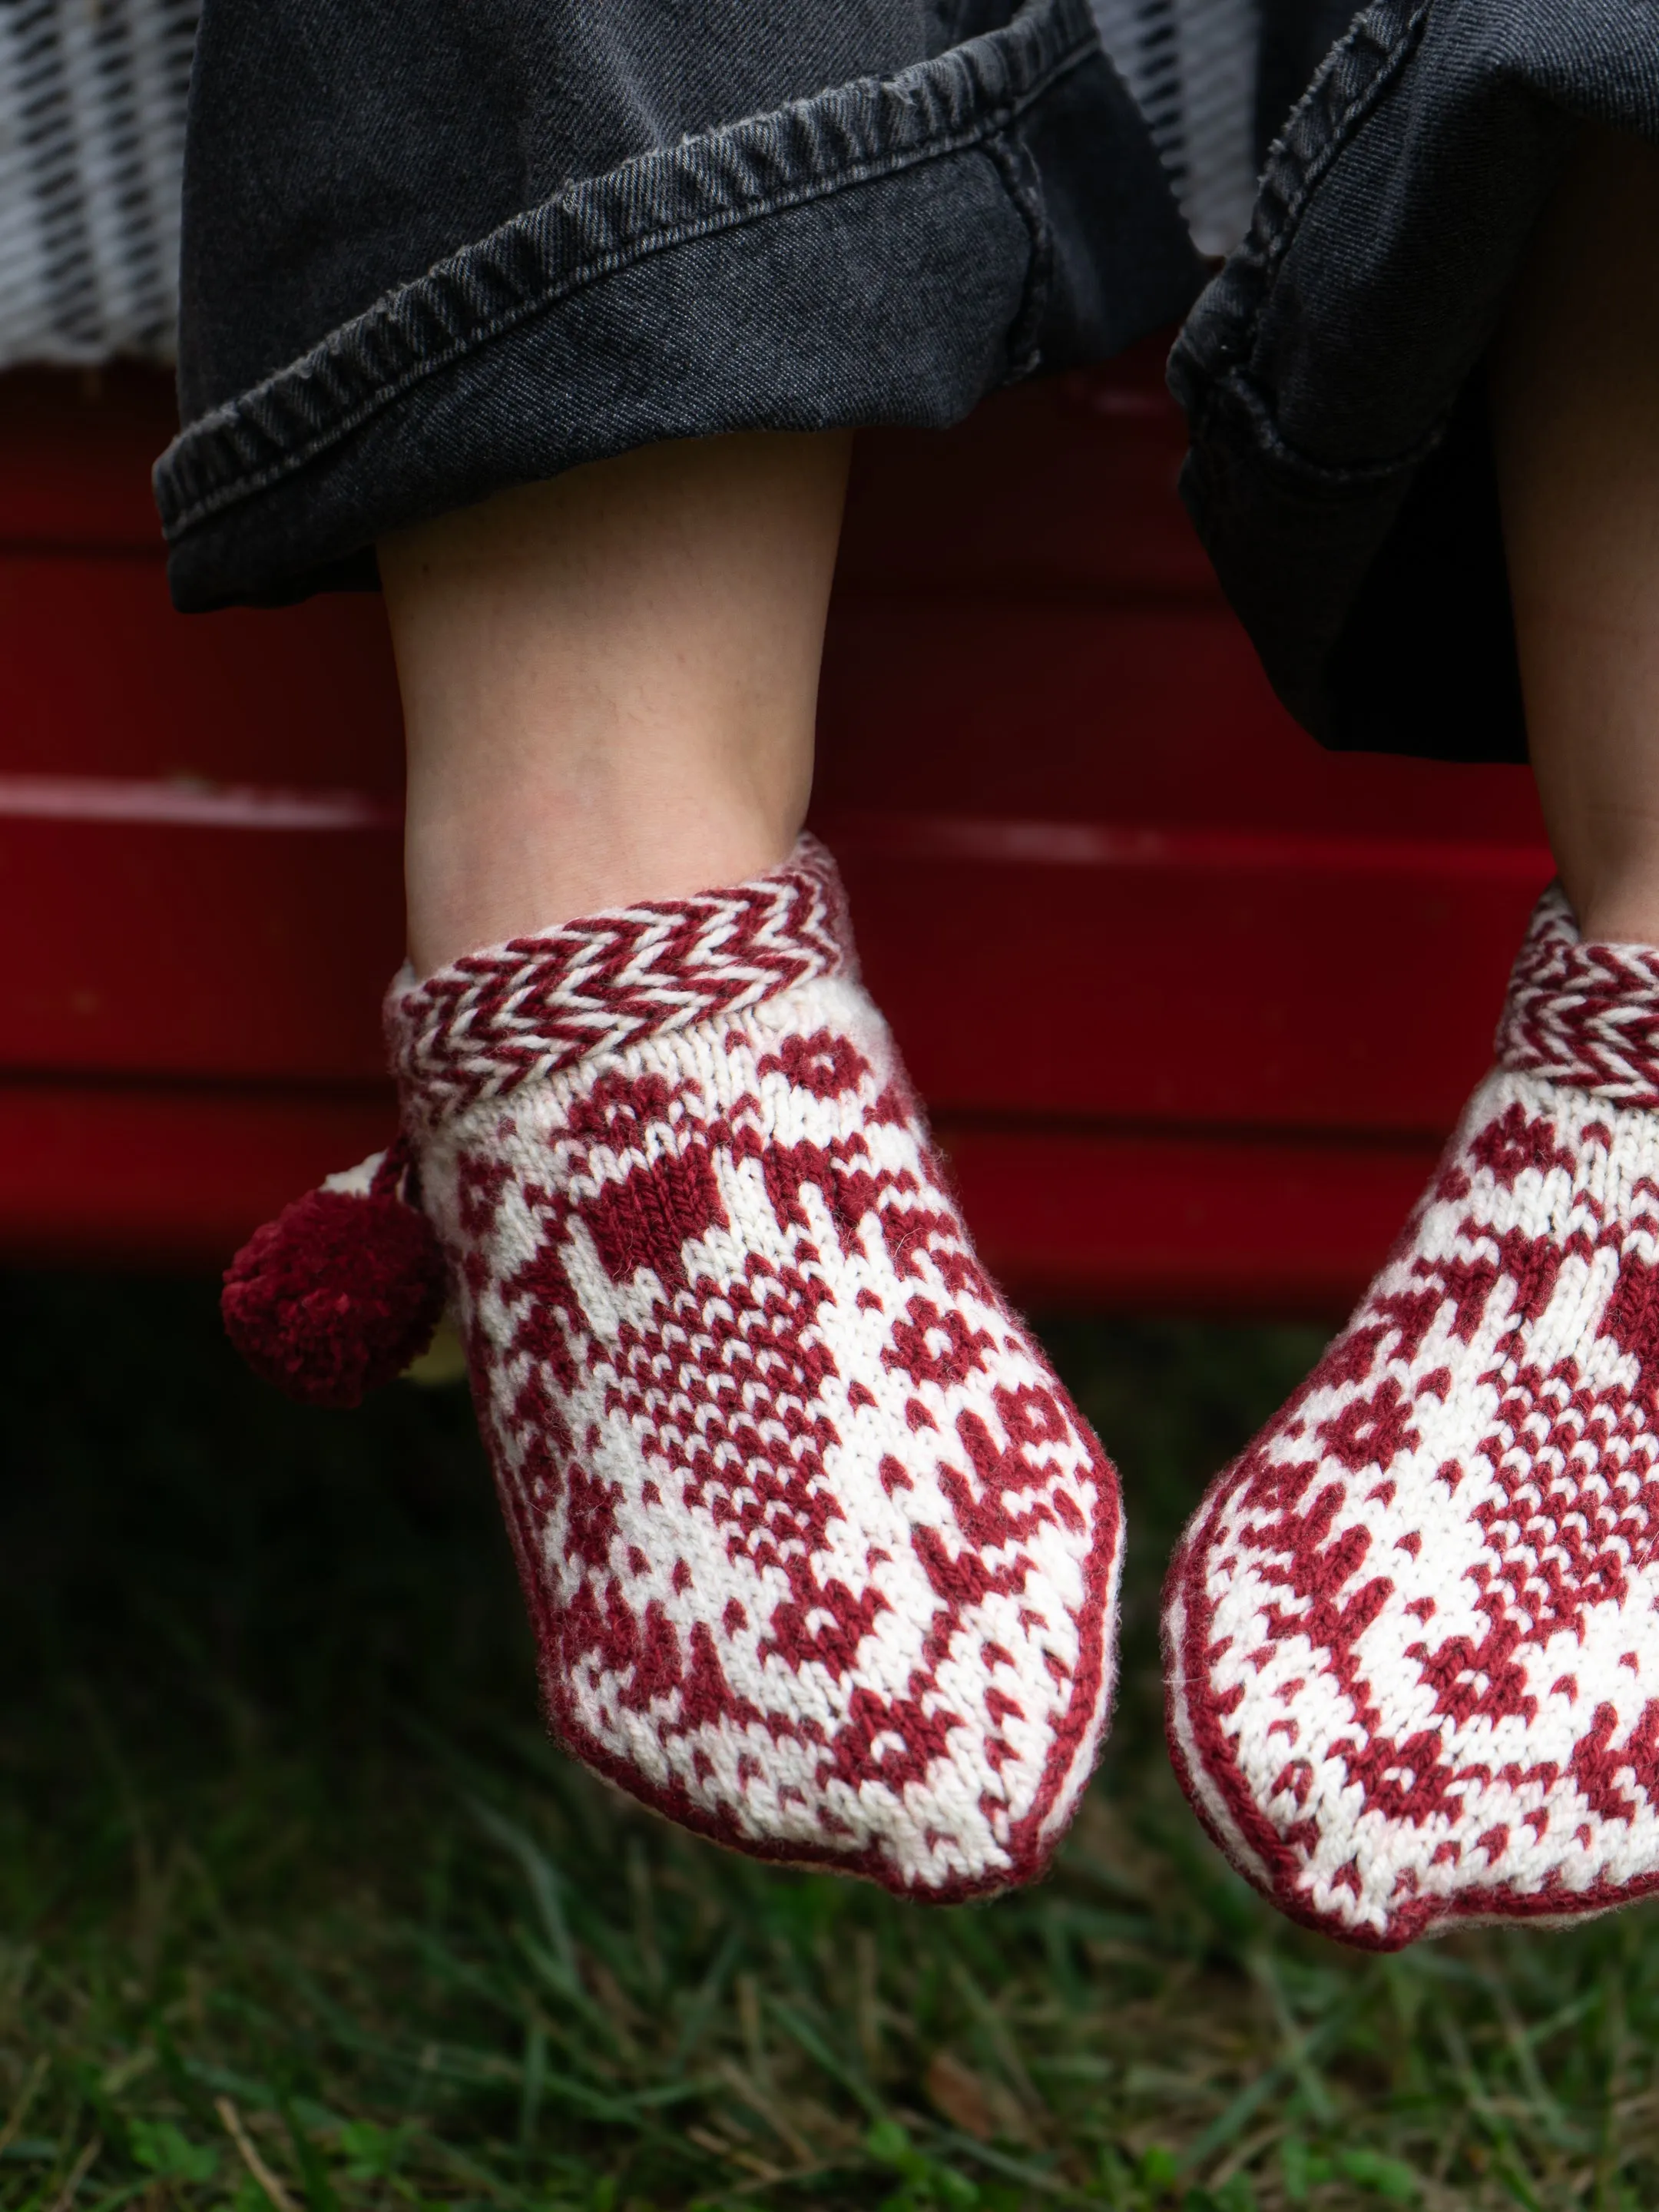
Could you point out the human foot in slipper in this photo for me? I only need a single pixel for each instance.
(1412, 1634)
(821, 1561)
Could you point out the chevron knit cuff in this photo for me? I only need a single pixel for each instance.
(535, 1006)
(1587, 1015)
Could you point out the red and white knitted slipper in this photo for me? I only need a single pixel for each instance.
(822, 1563)
(1413, 1635)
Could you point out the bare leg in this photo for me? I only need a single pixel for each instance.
(610, 683)
(700, 1248)
(1498, 1376)
(1576, 407)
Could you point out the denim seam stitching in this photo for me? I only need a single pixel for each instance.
(1241, 386)
(1294, 177)
(1390, 62)
(1022, 180)
(190, 452)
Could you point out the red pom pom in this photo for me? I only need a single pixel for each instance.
(335, 1296)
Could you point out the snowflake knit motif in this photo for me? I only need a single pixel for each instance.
(822, 1562)
(1412, 1636)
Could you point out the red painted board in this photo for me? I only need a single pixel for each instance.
(181, 1174)
(1038, 969)
(99, 676)
(1057, 969)
(1038, 709)
(1191, 997)
(1238, 1224)
(173, 949)
(1064, 485)
(75, 451)
(170, 1175)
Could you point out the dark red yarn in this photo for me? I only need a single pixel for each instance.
(335, 1296)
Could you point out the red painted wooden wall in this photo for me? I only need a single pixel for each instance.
(1193, 1002)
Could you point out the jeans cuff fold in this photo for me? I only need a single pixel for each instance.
(548, 322)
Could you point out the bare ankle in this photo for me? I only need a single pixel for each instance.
(1617, 905)
(609, 683)
(482, 876)
(1576, 413)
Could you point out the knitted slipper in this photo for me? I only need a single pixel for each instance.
(1413, 1635)
(822, 1563)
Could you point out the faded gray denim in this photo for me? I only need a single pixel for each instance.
(1341, 472)
(435, 248)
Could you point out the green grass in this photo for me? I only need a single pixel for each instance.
(298, 1908)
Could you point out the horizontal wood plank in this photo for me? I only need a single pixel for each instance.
(1192, 1000)
(181, 1174)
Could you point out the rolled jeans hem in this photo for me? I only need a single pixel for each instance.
(1340, 473)
(729, 282)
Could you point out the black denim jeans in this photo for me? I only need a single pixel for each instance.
(435, 248)
(1341, 472)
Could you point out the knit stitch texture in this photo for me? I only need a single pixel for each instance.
(1412, 1634)
(821, 1561)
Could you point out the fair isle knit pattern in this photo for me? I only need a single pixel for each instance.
(1413, 1635)
(821, 1561)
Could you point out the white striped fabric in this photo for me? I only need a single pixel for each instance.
(91, 122)
(1192, 66)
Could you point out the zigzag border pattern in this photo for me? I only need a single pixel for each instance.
(529, 1008)
(1586, 1015)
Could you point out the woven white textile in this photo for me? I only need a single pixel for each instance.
(91, 122)
(1192, 66)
